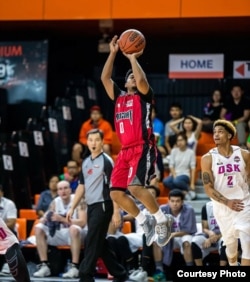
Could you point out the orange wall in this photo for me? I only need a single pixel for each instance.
(145, 9)
(119, 9)
(77, 9)
(21, 9)
(214, 8)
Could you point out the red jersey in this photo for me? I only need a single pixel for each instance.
(132, 118)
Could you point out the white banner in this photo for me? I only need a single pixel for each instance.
(196, 66)
(241, 69)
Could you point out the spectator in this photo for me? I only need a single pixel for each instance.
(191, 126)
(212, 111)
(55, 230)
(71, 174)
(237, 110)
(183, 229)
(175, 112)
(125, 246)
(47, 196)
(96, 120)
(158, 129)
(182, 165)
(210, 239)
(148, 262)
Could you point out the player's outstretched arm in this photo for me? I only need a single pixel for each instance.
(107, 70)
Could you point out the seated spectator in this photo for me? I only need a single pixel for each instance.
(125, 246)
(55, 230)
(237, 109)
(212, 111)
(95, 121)
(182, 164)
(147, 257)
(47, 196)
(158, 127)
(210, 239)
(71, 174)
(183, 229)
(191, 126)
(175, 112)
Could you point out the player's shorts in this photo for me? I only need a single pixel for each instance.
(62, 236)
(231, 222)
(178, 241)
(199, 240)
(134, 166)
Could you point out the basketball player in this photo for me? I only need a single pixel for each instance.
(9, 247)
(134, 167)
(225, 173)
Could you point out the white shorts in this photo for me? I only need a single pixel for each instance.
(178, 241)
(231, 222)
(62, 236)
(200, 239)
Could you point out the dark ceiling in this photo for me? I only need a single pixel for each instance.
(202, 27)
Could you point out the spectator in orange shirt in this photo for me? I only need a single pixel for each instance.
(96, 120)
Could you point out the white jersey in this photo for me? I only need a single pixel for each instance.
(7, 238)
(62, 209)
(212, 223)
(230, 177)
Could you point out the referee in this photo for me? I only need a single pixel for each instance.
(94, 187)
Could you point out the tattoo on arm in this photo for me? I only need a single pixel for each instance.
(206, 178)
(218, 197)
(215, 194)
(82, 205)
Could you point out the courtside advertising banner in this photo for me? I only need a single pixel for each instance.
(196, 66)
(241, 69)
(23, 70)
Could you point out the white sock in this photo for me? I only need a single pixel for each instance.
(233, 263)
(160, 216)
(140, 218)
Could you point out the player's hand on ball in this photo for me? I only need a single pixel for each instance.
(113, 45)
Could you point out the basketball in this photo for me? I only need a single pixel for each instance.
(131, 41)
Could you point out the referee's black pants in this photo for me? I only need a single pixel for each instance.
(96, 244)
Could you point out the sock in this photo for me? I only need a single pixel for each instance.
(189, 263)
(76, 264)
(44, 261)
(159, 266)
(233, 263)
(159, 216)
(140, 218)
